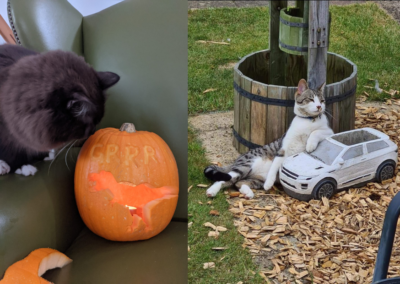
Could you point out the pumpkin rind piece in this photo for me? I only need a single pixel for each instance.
(29, 269)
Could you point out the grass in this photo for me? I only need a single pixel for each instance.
(363, 33)
(231, 265)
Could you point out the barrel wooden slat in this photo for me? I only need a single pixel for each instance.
(236, 108)
(275, 113)
(336, 109)
(291, 91)
(245, 114)
(328, 92)
(259, 115)
(353, 82)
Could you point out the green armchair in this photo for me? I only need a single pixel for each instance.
(145, 42)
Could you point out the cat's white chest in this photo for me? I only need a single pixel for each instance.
(300, 130)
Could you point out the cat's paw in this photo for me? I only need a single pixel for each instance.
(311, 146)
(268, 184)
(26, 170)
(51, 155)
(214, 189)
(246, 190)
(4, 168)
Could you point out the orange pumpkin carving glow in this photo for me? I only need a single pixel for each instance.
(126, 184)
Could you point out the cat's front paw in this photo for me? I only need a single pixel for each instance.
(4, 168)
(51, 155)
(26, 170)
(268, 184)
(311, 146)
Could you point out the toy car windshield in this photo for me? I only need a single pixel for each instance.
(326, 152)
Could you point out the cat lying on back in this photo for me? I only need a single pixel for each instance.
(46, 100)
(258, 168)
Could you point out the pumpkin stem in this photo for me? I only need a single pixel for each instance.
(128, 127)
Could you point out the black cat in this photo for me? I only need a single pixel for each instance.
(46, 101)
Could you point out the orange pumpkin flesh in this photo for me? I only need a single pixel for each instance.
(29, 270)
(126, 184)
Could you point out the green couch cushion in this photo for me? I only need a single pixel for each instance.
(162, 259)
(145, 42)
(38, 211)
(47, 24)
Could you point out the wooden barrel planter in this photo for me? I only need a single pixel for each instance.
(263, 112)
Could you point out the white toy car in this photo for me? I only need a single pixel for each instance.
(343, 160)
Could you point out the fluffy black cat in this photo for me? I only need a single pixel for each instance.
(46, 101)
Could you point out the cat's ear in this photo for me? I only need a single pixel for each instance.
(302, 86)
(322, 88)
(107, 79)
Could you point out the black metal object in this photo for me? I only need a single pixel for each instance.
(295, 48)
(263, 100)
(386, 243)
(292, 24)
(244, 142)
(289, 103)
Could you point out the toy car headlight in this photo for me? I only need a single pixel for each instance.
(305, 178)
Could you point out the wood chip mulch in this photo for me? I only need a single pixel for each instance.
(328, 241)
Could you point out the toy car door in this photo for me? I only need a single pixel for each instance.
(354, 169)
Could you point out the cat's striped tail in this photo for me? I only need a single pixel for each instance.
(216, 173)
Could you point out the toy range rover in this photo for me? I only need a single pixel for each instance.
(343, 160)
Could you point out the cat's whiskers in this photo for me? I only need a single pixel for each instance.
(330, 114)
(66, 154)
(66, 145)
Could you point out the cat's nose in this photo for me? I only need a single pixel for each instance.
(318, 107)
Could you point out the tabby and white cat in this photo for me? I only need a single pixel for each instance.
(259, 167)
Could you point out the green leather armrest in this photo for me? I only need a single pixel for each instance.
(38, 211)
(46, 24)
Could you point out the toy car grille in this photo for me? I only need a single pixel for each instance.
(291, 185)
(289, 173)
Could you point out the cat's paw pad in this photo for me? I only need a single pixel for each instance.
(268, 184)
(311, 146)
(248, 193)
(4, 168)
(51, 156)
(26, 170)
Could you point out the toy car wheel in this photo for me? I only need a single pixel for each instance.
(385, 171)
(325, 188)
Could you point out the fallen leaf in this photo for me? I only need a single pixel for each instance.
(209, 90)
(203, 185)
(208, 265)
(210, 225)
(219, 248)
(213, 42)
(214, 213)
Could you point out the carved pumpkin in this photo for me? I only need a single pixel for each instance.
(35, 265)
(126, 184)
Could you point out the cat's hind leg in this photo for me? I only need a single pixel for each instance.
(26, 170)
(273, 171)
(246, 185)
(216, 187)
(4, 168)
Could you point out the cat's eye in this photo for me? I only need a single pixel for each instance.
(322, 101)
(311, 100)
